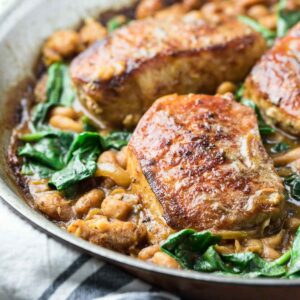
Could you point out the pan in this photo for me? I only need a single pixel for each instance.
(23, 28)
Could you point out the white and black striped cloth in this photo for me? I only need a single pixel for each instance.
(35, 266)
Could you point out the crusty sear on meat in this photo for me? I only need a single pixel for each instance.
(274, 83)
(123, 74)
(197, 161)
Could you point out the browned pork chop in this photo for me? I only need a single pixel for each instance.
(274, 83)
(120, 77)
(197, 161)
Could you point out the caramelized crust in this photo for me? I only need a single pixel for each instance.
(274, 83)
(123, 74)
(205, 166)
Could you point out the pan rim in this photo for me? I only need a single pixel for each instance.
(21, 207)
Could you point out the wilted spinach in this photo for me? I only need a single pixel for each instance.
(268, 35)
(47, 152)
(48, 149)
(188, 245)
(195, 251)
(115, 23)
(59, 91)
(286, 19)
(80, 161)
(211, 261)
(239, 93)
(87, 124)
(66, 158)
(82, 156)
(292, 185)
(294, 264)
(243, 264)
(31, 168)
(68, 95)
(66, 138)
(280, 147)
(116, 140)
(264, 128)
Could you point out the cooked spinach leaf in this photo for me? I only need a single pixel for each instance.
(81, 158)
(280, 147)
(187, 245)
(44, 152)
(54, 83)
(53, 92)
(39, 114)
(115, 23)
(35, 136)
(116, 140)
(196, 251)
(80, 161)
(66, 158)
(239, 93)
(264, 128)
(286, 19)
(240, 260)
(68, 95)
(245, 264)
(59, 92)
(294, 264)
(211, 261)
(268, 35)
(251, 264)
(48, 151)
(292, 185)
(82, 142)
(31, 168)
(87, 124)
(82, 166)
(66, 138)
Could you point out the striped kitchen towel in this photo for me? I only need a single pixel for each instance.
(35, 266)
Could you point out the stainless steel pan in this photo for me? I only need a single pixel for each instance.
(23, 28)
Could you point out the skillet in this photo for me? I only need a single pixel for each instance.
(23, 28)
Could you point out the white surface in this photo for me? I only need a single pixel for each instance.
(4, 4)
(28, 257)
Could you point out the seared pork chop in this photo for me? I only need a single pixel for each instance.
(274, 83)
(198, 162)
(123, 74)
